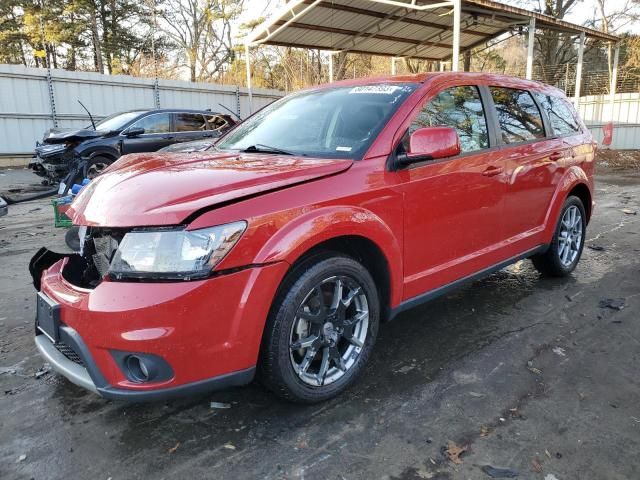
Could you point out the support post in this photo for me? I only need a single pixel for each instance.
(330, 67)
(248, 62)
(455, 56)
(532, 34)
(576, 97)
(238, 101)
(614, 81)
(156, 92)
(393, 65)
(52, 97)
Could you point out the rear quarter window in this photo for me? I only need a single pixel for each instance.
(518, 115)
(559, 113)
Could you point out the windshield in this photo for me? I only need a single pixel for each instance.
(116, 121)
(335, 122)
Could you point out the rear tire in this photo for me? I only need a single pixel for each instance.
(321, 329)
(565, 250)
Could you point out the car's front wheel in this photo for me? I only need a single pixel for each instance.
(568, 241)
(321, 330)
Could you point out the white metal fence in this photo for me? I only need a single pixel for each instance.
(28, 108)
(595, 110)
(31, 102)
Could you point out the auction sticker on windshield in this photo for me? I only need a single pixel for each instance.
(382, 89)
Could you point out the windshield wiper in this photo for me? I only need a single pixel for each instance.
(262, 148)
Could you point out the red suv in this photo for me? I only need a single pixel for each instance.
(280, 251)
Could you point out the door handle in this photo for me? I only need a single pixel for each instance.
(492, 171)
(555, 156)
(169, 137)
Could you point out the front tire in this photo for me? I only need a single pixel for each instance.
(96, 165)
(565, 250)
(321, 329)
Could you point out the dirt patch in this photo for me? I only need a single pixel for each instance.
(618, 159)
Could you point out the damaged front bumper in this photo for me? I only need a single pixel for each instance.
(193, 336)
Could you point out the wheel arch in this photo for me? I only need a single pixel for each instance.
(364, 251)
(581, 191)
(101, 151)
(351, 231)
(574, 182)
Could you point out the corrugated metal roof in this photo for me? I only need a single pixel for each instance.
(398, 27)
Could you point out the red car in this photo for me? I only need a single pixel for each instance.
(280, 251)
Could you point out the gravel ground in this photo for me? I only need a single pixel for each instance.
(515, 371)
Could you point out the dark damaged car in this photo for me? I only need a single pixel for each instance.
(86, 152)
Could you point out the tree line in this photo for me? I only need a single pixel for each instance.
(202, 40)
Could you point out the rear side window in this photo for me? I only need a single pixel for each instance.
(518, 115)
(216, 122)
(190, 122)
(563, 121)
(459, 108)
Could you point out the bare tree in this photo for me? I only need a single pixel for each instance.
(611, 21)
(201, 29)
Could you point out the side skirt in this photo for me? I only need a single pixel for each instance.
(433, 294)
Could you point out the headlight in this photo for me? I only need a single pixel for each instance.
(51, 149)
(174, 254)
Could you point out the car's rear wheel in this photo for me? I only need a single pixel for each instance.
(568, 241)
(321, 330)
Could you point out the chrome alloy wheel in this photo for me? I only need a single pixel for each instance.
(570, 235)
(329, 331)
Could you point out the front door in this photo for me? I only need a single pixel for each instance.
(157, 134)
(452, 207)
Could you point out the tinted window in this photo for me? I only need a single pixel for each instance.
(190, 122)
(518, 115)
(460, 108)
(156, 123)
(559, 113)
(116, 121)
(216, 122)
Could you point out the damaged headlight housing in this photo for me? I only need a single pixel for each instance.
(174, 254)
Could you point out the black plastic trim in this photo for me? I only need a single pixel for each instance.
(234, 379)
(72, 338)
(41, 261)
(159, 369)
(437, 292)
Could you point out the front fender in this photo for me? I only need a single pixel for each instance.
(312, 228)
(573, 177)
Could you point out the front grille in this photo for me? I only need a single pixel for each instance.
(69, 352)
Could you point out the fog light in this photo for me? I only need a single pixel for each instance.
(138, 369)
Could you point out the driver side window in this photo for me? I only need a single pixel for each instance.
(460, 108)
(154, 123)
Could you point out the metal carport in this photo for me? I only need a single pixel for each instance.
(422, 29)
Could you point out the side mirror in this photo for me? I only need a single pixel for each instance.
(134, 132)
(431, 143)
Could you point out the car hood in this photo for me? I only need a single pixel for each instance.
(63, 135)
(164, 189)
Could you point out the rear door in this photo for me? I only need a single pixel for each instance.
(157, 134)
(453, 207)
(191, 126)
(533, 159)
